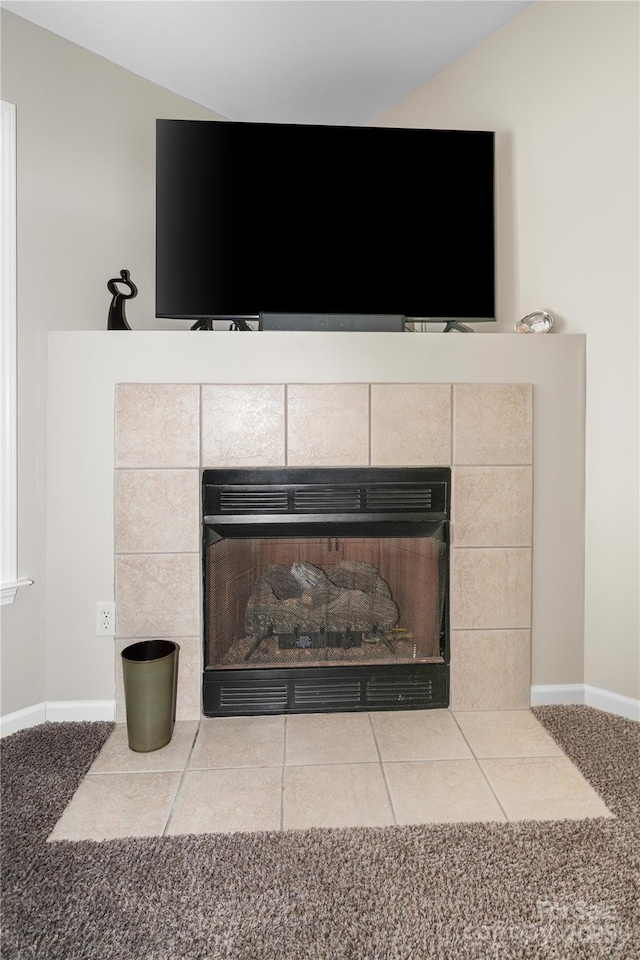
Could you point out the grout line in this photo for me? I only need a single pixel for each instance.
(452, 437)
(334, 763)
(540, 756)
(481, 769)
(175, 799)
(132, 773)
(157, 553)
(384, 773)
(502, 546)
(200, 436)
(489, 466)
(273, 766)
(484, 773)
(284, 762)
(370, 422)
(529, 756)
(153, 636)
(255, 766)
(491, 630)
(152, 469)
(286, 423)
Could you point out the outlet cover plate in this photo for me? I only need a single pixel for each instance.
(105, 618)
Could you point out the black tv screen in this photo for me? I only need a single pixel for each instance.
(283, 218)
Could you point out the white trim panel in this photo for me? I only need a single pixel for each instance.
(586, 694)
(8, 451)
(21, 719)
(9, 581)
(554, 693)
(57, 711)
(61, 710)
(612, 702)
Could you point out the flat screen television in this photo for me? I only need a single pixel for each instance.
(285, 218)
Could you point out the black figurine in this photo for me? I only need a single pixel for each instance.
(117, 319)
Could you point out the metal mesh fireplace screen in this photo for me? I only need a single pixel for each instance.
(324, 601)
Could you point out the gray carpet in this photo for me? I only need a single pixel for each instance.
(524, 891)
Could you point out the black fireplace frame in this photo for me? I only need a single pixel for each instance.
(384, 501)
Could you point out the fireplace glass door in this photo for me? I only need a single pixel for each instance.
(325, 601)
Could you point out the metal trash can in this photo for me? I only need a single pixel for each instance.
(150, 673)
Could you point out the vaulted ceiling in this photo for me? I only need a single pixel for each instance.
(283, 61)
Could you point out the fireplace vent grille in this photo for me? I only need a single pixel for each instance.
(315, 498)
(338, 689)
(253, 698)
(264, 501)
(399, 691)
(383, 499)
(322, 692)
(333, 499)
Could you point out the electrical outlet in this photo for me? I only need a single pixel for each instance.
(105, 619)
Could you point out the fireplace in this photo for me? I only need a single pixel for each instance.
(325, 589)
(168, 434)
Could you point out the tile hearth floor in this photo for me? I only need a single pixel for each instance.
(329, 770)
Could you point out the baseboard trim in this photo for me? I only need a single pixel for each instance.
(57, 711)
(558, 693)
(21, 719)
(60, 710)
(612, 702)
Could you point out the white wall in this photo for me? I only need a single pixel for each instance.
(86, 209)
(559, 85)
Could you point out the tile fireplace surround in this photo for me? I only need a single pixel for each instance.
(166, 433)
(186, 401)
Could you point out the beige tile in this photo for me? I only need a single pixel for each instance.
(157, 511)
(506, 733)
(239, 742)
(492, 423)
(119, 682)
(228, 801)
(543, 788)
(330, 738)
(492, 506)
(189, 698)
(242, 425)
(490, 588)
(116, 757)
(111, 805)
(419, 735)
(158, 595)
(411, 424)
(490, 669)
(441, 791)
(336, 795)
(157, 425)
(328, 424)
